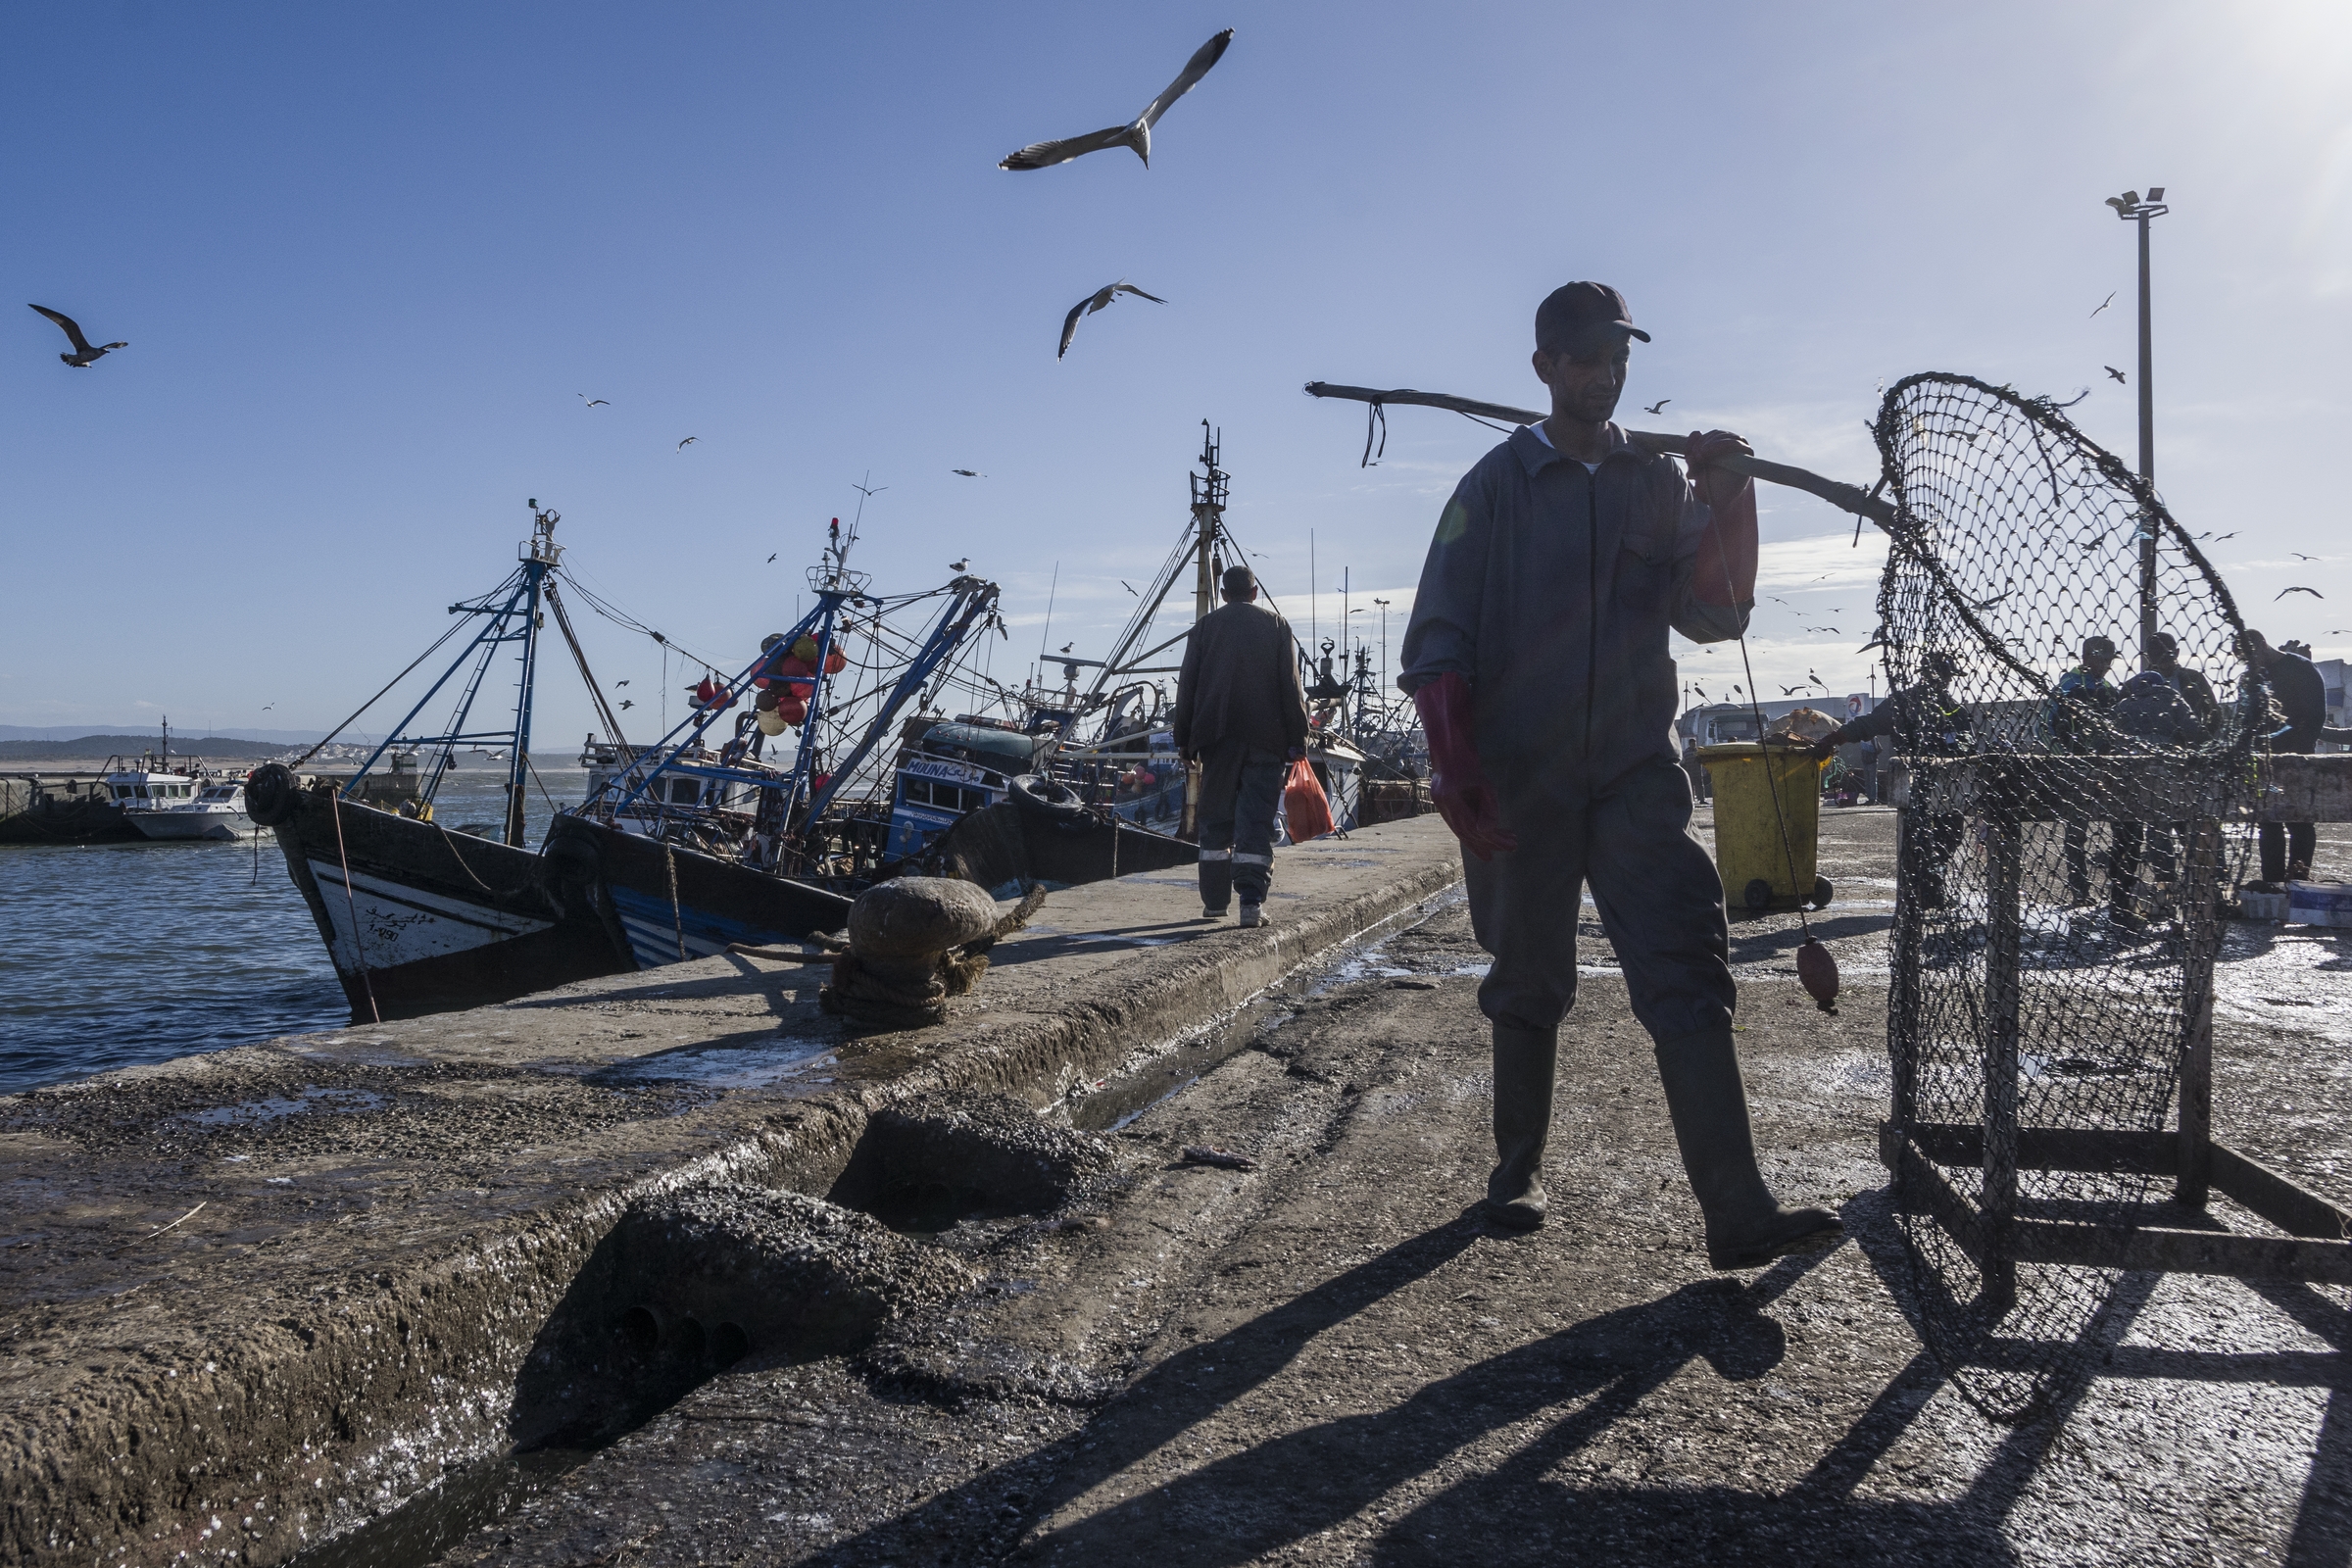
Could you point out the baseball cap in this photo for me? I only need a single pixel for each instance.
(2098, 648)
(1574, 315)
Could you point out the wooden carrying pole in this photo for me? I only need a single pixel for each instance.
(1845, 497)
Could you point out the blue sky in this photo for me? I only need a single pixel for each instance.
(367, 260)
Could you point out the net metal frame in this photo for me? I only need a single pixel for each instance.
(2020, 1010)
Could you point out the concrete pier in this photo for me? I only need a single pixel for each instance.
(256, 1297)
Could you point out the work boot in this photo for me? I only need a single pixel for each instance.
(2298, 870)
(1252, 913)
(1522, 1069)
(1746, 1226)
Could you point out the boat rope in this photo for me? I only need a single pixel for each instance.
(596, 694)
(461, 860)
(351, 901)
(677, 921)
(454, 630)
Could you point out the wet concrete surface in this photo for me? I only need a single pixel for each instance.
(250, 1299)
(1330, 1359)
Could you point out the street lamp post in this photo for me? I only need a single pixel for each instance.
(2132, 210)
(1384, 645)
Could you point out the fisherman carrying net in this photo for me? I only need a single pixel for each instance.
(1536, 656)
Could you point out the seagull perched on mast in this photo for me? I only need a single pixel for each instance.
(1093, 303)
(84, 356)
(1135, 133)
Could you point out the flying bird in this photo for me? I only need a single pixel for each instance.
(2300, 555)
(1831, 629)
(628, 701)
(621, 683)
(2103, 304)
(689, 441)
(266, 707)
(84, 356)
(1135, 133)
(1093, 302)
(2284, 591)
(1124, 584)
(1790, 691)
(2231, 534)
(594, 402)
(1658, 406)
(771, 560)
(969, 474)
(2112, 370)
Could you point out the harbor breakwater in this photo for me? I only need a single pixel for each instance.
(258, 1298)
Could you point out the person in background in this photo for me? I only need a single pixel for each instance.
(2302, 699)
(2152, 710)
(2164, 658)
(1923, 719)
(2075, 721)
(1241, 712)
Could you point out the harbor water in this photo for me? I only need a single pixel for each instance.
(123, 953)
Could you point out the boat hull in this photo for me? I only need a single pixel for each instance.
(710, 906)
(171, 826)
(428, 921)
(1007, 847)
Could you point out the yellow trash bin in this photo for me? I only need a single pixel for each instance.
(1761, 869)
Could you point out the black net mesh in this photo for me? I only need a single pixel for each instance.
(2060, 863)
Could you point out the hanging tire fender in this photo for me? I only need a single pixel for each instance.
(1046, 797)
(272, 793)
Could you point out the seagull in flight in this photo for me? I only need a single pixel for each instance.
(771, 560)
(628, 701)
(1137, 133)
(84, 356)
(2300, 555)
(621, 683)
(1130, 588)
(2112, 370)
(972, 475)
(2103, 304)
(2284, 591)
(689, 441)
(1093, 302)
(1658, 406)
(594, 402)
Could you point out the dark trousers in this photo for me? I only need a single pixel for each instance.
(1932, 841)
(2077, 851)
(2285, 844)
(1660, 901)
(1240, 791)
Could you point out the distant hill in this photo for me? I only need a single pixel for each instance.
(75, 732)
(97, 748)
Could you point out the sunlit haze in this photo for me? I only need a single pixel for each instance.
(371, 262)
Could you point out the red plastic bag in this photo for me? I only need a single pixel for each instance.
(1304, 805)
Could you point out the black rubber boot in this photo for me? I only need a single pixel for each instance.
(1746, 1226)
(1523, 1067)
(1216, 886)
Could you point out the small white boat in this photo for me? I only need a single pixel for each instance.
(215, 812)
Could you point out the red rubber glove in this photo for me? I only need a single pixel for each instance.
(1457, 780)
(1724, 572)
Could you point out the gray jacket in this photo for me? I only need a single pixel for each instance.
(1240, 683)
(1551, 590)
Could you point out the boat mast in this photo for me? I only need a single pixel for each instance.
(539, 557)
(1208, 519)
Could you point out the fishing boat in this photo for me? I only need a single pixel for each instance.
(217, 811)
(415, 917)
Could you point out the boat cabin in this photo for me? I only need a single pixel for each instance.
(948, 770)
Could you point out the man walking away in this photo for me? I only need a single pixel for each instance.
(1241, 715)
(1925, 720)
(2076, 720)
(2302, 697)
(1536, 656)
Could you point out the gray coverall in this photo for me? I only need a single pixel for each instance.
(1552, 589)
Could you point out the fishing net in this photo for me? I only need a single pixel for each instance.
(2059, 864)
